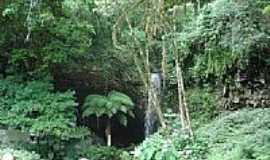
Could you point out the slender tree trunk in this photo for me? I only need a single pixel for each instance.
(186, 110)
(152, 26)
(108, 133)
(184, 114)
(163, 65)
(146, 74)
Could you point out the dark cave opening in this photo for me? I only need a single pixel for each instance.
(122, 136)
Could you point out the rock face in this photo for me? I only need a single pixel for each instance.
(8, 156)
(10, 136)
(4, 136)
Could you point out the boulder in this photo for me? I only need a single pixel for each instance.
(8, 156)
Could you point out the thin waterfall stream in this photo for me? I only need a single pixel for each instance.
(151, 119)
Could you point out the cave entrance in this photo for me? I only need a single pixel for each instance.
(122, 136)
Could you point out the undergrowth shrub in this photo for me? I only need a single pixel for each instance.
(103, 153)
(203, 105)
(36, 109)
(20, 154)
(171, 144)
(176, 146)
(241, 135)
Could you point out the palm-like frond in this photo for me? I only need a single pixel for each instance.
(121, 98)
(122, 119)
(116, 103)
(95, 100)
(95, 104)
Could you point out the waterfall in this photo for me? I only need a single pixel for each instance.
(150, 120)
(154, 93)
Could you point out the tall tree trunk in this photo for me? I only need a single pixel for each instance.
(163, 65)
(153, 25)
(146, 77)
(108, 132)
(184, 114)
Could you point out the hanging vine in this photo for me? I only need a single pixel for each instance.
(33, 4)
(155, 26)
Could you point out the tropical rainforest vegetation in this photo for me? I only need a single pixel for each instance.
(135, 79)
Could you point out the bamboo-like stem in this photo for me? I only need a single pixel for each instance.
(152, 24)
(163, 64)
(183, 109)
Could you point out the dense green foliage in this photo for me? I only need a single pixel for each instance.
(34, 108)
(104, 153)
(203, 104)
(173, 146)
(242, 135)
(225, 36)
(65, 32)
(20, 154)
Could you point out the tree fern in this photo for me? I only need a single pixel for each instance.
(115, 104)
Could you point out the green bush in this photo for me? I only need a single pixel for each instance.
(203, 105)
(171, 144)
(35, 108)
(104, 153)
(20, 154)
(176, 146)
(241, 135)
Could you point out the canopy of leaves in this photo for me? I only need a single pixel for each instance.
(63, 25)
(225, 35)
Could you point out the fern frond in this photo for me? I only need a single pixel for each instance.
(115, 103)
(95, 101)
(121, 98)
(122, 119)
(95, 104)
(88, 112)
